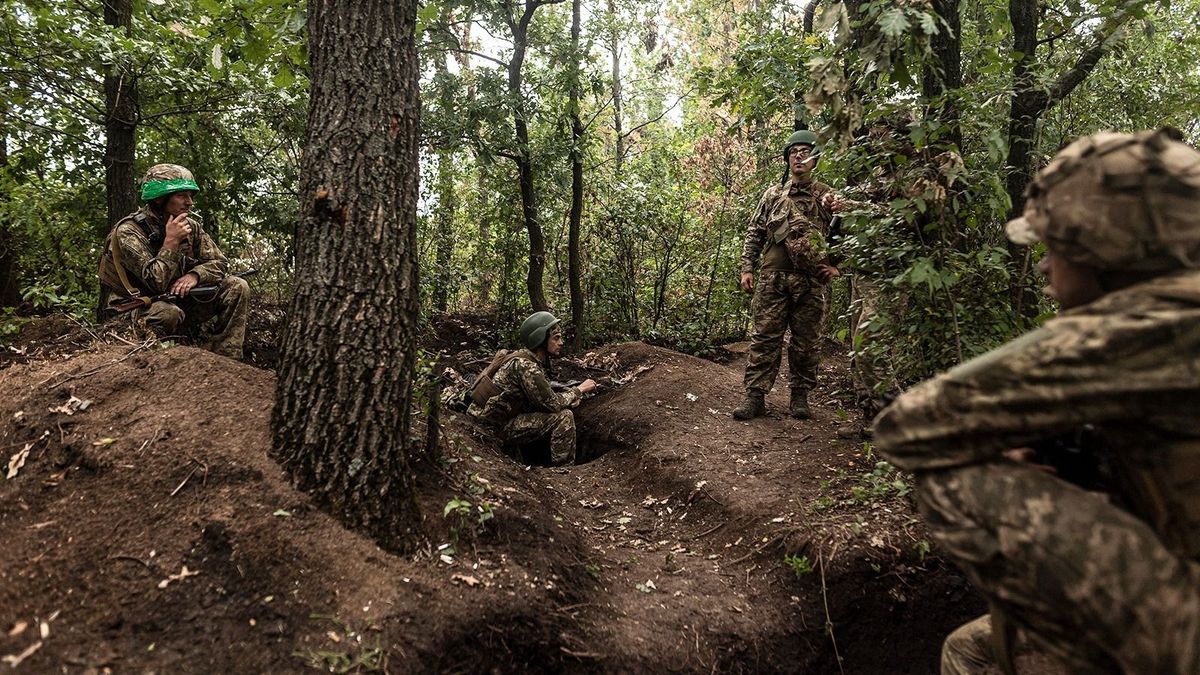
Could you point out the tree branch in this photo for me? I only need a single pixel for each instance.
(1106, 37)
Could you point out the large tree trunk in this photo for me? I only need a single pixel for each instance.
(574, 263)
(120, 126)
(945, 76)
(537, 241)
(341, 418)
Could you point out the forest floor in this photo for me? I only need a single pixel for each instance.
(148, 530)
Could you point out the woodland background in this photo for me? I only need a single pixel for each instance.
(599, 158)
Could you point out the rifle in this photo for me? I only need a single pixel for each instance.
(563, 386)
(198, 293)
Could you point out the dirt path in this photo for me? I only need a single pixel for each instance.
(663, 553)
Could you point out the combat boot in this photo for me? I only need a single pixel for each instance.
(752, 407)
(799, 408)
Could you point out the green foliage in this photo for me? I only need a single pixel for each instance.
(801, 565)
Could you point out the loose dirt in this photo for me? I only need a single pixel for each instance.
(148, 530)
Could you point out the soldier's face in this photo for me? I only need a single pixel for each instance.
(178, 202)
(800, 160)
(1071, 284)
(554, 343)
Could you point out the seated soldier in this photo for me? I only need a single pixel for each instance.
(1105, 395)
(162, 249)
(526, 410)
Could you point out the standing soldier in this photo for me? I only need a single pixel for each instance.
(521, 407)
(162, 249)
(1106, 394)
(788, 230)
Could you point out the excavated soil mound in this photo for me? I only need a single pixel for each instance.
(147, 529)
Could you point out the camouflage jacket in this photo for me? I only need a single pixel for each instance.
(1127, 364)
(151, 268)
(787, 210)
(524, 388)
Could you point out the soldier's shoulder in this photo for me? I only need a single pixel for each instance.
(774, 190)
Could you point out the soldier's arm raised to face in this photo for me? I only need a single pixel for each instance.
(1086, 368)
(541, 397)
(156, 271)
(213, 264)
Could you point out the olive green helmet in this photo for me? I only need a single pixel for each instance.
(802, 137)
(166, 179)
(536, 329)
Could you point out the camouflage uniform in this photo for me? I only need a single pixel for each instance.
(786, 295)
(527, 410)
(1106, 586)
(220, 324)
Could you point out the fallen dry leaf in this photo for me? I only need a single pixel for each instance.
(17, 461)
(18, 628)
(72, 406)
(466, 579)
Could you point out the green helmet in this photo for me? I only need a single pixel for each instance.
(536, 329)
(166, 179)
(802, 137)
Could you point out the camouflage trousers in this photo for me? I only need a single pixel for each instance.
(219, 324)
(1085, 580)
(782, 301)
(530, 428)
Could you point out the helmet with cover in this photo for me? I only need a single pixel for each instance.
(802, 137)
(165, 179)
(1118, 202)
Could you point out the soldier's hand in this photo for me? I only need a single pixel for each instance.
(833, 202)
(184, 284)
(178, 231)
(826, 273)
(747, 282)
(1028, 456)
(587, 386)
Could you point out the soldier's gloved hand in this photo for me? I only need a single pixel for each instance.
(178, 230)
(587, 386)
(184, 284)
(747, 282)
(825, 273)
(833, 202)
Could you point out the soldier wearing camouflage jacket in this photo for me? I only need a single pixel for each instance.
(163, 249)
(1107, 583)
(527, 410)
(789, 231)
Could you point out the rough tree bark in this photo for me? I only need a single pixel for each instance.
(341, 418)
(1030, 101)
(120, 127)
(574, 263)
(519, 26)
(940, 80)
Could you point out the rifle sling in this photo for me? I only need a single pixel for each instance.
(116, 253)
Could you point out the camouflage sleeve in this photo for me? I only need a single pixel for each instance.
(538, 392)
(213, 266)
(156, 272)
(756, 236)
(1077, 369)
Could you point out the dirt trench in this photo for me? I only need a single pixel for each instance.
(664, 552)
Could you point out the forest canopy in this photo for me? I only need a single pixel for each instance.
(600, 158)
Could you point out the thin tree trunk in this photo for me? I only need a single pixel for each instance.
(942, 79)
(10, 295)
(534, 283)
(615, 49)
(447, 201)
(341, 418)
(574, 264)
